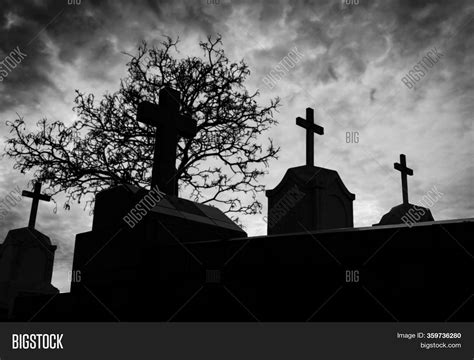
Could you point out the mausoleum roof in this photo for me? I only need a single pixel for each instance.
(311, 176)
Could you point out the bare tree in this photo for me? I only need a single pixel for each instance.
(221, 165)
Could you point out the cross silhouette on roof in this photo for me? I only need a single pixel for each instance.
(402, 167)
(311, 128)
(36, 196)
(170, 125)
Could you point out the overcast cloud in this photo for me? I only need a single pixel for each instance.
(353, 60)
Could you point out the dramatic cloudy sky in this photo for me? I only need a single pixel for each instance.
(353, 60)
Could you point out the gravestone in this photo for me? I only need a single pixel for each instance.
(309, 197)
(122, 206)
(26, 259)
(405, 213)
(114, 210)
(139, 237)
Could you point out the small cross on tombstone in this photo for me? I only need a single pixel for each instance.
(402, 167)
(311, 128)
(170, 125)
(36, 196)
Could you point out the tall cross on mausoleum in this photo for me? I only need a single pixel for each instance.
(170, 125)
(311, 128)
(36, 196)
(402, 167)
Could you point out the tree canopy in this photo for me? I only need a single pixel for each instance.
(106, 145)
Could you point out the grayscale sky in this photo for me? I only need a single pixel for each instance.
(353, 59)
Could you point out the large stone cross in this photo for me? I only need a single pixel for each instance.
(311, 128)
(170, 125)
(36, 196)
(402, 167)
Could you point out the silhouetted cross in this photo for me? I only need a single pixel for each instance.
(311, 128)
(36, 196)
(402, 167)
(170, 125)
